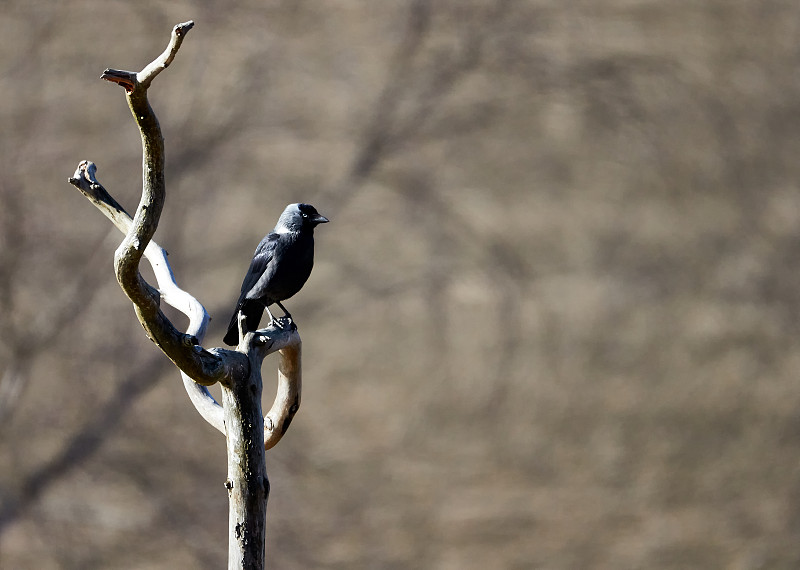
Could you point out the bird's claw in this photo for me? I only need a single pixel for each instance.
(284, 323)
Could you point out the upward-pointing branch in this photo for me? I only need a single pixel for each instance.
(248, 432)
(130, 80)
(199, 368)
(202, 366)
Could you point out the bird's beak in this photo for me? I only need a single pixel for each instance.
(320, 219)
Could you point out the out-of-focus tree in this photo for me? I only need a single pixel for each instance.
(605, 190)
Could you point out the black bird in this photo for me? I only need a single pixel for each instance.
(280, 267)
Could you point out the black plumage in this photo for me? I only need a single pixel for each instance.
(280, 267)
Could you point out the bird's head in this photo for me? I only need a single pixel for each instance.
(298, 217)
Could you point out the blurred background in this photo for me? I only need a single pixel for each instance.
(551, 325)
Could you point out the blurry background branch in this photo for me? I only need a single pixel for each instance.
(83, 444)
(616, 182)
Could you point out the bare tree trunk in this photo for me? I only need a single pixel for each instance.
(247, 484)
(248, 432)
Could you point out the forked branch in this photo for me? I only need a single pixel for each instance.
(130, 80)
(85, 180)
(202, 366)
(248, 432)
(261, 343)
(199, 367)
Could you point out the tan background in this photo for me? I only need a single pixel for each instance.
(551, 325)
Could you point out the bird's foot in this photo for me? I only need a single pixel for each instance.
(284, 323)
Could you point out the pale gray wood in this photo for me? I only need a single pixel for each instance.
(248, 432)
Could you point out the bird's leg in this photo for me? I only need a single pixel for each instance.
(272, 319)
(285, 312)
(279, 321)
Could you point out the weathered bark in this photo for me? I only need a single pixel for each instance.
(247, 484)
(177, 346)
(287, 399)
(248, 432)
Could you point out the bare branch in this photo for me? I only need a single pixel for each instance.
(11, 383)
(287, 342)
(287, 399)
(85, 180)
(205, 404)
(145, 76)
(202, 366)
(132, 80)
(247, 431)
(265, 341)
(145, 221)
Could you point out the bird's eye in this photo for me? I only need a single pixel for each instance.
(304, 214)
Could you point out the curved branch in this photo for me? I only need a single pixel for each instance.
(247, 484)
(281, 337)
(200, 365)
(131, 80)
(211, 366)
(205, 404)
(145, 221)
(259, 345)
(263, 342)
(145, 76)
(248, 433)
(287, 398)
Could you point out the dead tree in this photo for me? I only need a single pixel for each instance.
(248, 432)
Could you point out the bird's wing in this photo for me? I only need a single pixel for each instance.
(261, 259)
(253, 310)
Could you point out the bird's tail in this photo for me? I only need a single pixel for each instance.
(253, 311)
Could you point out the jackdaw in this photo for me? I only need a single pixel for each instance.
(280, 267)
